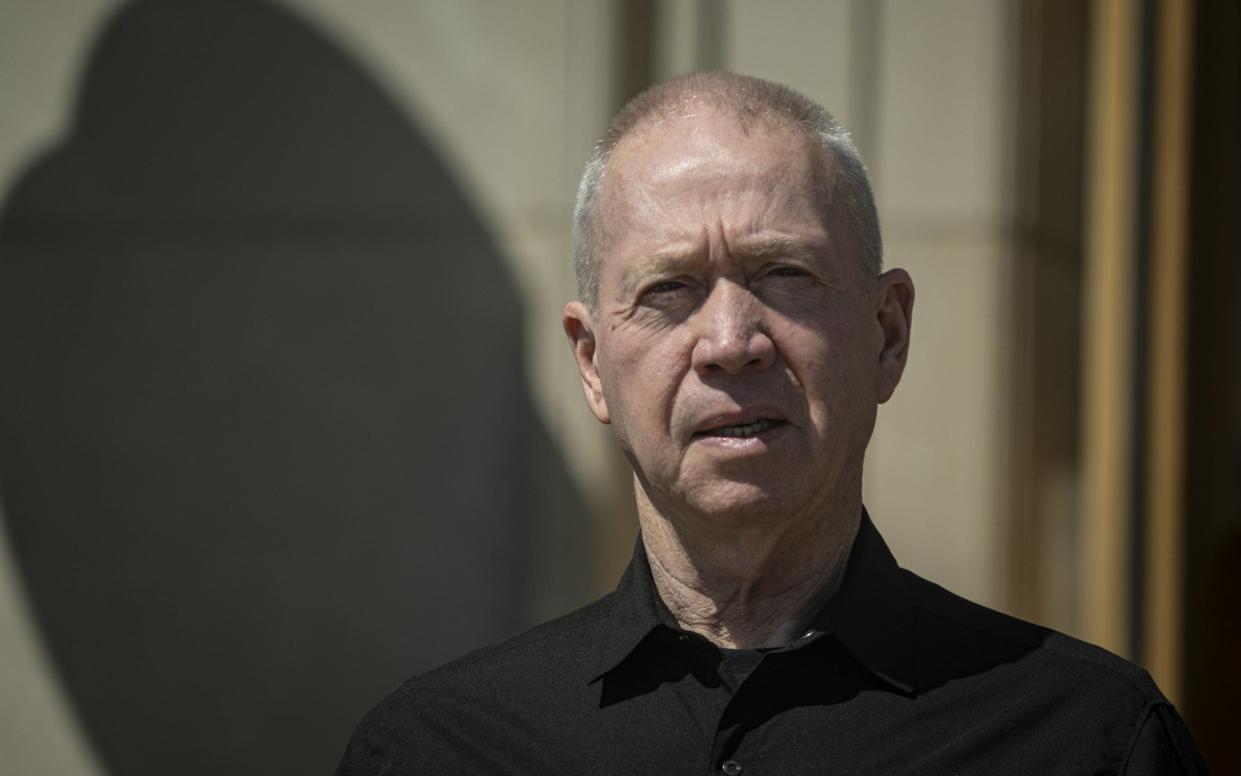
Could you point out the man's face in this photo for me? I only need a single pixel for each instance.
(738, 348)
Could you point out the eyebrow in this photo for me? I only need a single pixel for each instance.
(777, 247)
(660, 263)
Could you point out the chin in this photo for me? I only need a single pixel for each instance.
(741, 501)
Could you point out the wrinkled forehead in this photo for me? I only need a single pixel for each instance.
(672, 156)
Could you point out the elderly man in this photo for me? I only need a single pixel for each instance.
(737, 333)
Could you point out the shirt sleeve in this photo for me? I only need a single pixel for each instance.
(1164, 747)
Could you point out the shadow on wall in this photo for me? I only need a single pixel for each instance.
(265, 444)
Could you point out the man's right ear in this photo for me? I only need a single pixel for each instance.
(580, 327)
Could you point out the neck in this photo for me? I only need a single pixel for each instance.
(745, 584)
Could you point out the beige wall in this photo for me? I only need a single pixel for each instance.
(513, 94)
(945, 150)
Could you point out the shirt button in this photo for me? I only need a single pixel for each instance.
(731, 767)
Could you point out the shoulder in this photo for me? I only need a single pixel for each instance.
(562, 643)
(957, 636)
(438, 715)
(560, 646)
(1004, 675)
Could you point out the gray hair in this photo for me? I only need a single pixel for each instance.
(748, 99)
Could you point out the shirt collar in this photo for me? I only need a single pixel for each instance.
(637, 612)
(871, 615)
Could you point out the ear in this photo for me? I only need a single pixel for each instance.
(580, 327)
(894, 312)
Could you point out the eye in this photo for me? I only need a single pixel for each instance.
(669, 294)
(786, 271)
(666, 287)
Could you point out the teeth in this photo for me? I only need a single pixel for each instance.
(748, 429)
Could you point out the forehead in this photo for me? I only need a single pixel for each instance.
(699, 135)
(702, 165)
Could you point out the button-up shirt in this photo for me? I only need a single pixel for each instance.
(895, 675)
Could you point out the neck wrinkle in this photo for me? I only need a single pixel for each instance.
(758, 588)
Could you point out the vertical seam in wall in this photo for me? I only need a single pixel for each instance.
(1140, 321)
(712, 18)
(1164, 534)
(1106, 366)
(865, 17)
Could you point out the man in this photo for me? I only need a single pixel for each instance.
(736, 332)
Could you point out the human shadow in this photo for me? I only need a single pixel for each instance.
(265, 443)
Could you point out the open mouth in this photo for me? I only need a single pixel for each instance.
(742, 430)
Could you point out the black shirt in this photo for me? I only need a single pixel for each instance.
(896, 676)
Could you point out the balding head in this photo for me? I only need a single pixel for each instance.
(753, 103)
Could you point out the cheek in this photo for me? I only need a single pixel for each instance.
(841, 409)
(631, 375)
(642, 377)
(840, 371)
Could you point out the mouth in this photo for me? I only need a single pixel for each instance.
(746, 430)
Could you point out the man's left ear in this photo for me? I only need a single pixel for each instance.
(894, 307)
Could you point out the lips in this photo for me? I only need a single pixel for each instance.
(744, 429)
(740, 425)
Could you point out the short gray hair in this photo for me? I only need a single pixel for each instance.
(748, 99)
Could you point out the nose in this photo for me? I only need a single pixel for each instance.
(731, 337)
